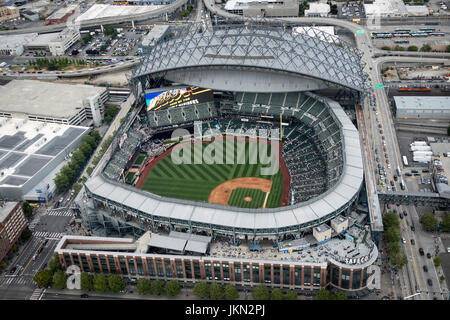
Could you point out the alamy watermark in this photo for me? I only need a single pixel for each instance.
(263, 149)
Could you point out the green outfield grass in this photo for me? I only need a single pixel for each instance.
(237, 198)
(196, 181)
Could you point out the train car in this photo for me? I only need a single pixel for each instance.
(421, 89)
(404, 89)
(419, 34)
(438, 34)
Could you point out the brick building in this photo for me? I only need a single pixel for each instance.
(12, 223)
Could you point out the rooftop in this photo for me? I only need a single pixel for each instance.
(6, 208)
(423, 102)
(243, 4)
(98, 11)
(58, 14)
(44, 98)
(386, 8)
(155, 34)
(28, 146)
(17, 40)
(317, 7)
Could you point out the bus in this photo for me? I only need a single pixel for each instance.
(405, 161)
(419, 34)
(427, 29)
(401, 41)
(439, 34)
(402, 30)
(401, 35)
(399, 172)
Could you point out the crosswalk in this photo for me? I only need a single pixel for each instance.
(15, 280)
(66, 212)
(37, 294)
(48, 235)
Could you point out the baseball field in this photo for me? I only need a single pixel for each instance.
(234, 184)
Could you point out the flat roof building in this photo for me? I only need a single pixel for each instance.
(417, 11)
(317, 9)
(424, 107)
(101, 11)
(322, 233)
(12, 223)
(385, 8)
(263, 8)
(29, 152)
(8, 13)
(61, 15)
(70, 104)
(13, 45)
(156, 34)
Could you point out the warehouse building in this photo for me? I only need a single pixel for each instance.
(12, 223)
(417, 11)
(414, 107)
(13, 45)
(385, 8)
(31, 153)
(61, 15)
(70, 104)
(56, 43)
(317, 9)
(263, 8)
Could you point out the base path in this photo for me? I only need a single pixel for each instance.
(221, 194)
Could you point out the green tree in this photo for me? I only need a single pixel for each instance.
(429, 222)
(61, 181)
(392, 234)
(89, 170)
(413, 48)
(201, 289)
(91, 141)
(323, 294)
(15, 248)
(290, 295)
(172, 288)
(79, 157)
(157, 287)
(69, 172)
(339, 295)
(437, 261)
(143, 286)
(116, 283)
(441, 278)
(3, 265)
(94, 134)
(261, 293)
(399, 48)
(426, 48)
(447, 49)
(26, 234)
(385, 48)
(54, 264)
(76, 188)
(59, 280)
(43, 278)
(27, 209)
(398, 259)
(85, 148)
(100, 283)
(230, 292)
(445, 223)
(216, 291)
(86, 281)
(276, 294)
(390, 219)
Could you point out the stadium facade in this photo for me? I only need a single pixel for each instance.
(261, 77)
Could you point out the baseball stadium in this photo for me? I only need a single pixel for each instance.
(247, 85)
(233, 166)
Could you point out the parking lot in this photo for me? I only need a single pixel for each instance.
(351, 10)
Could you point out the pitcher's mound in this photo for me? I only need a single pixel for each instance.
(248, 199)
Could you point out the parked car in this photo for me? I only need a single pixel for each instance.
(403, 240)
(429, 255)
(413, 242)
(430, 283)
(421, 251)
(401, 216)
(413, 228)
(425, 268)
(84, 295)
(405, 213)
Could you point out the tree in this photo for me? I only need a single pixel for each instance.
(426, 48)
(339, 295)
(441, 278)
(26, 234)
(437, 261)
(445, 223)
(398, 259)
(157, 287)
(323, 294)
(61, 181)
(290, 295)
(447, 49)
(43, 278)
(85, 148)
(79, 157)
(392, 234)
(216, 291)
(429, 222)
(15, 248)
(143, 286)
(100, 283)
(59, 280)
(230, 292)
(90, 140)
(385, 48)
(413, 48)
(54, 264)
(94, 134)
(276, 294)
(399, 48)
(3, 265)
(390, 219)
(27, 209)
(172, 288)
(201, 289)
(86, 281)
(69, 172)
(116, 283)
(261, 293)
